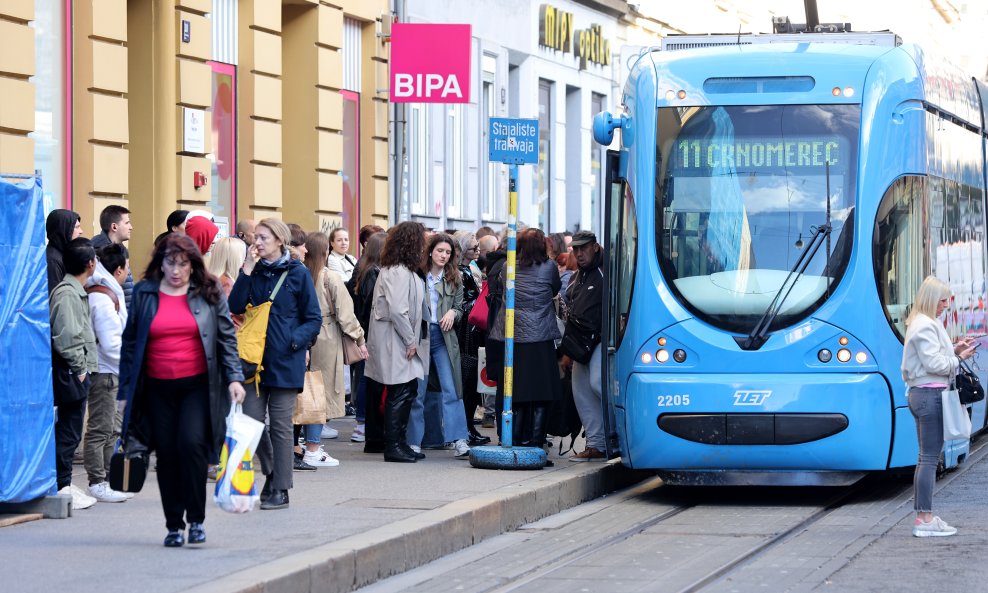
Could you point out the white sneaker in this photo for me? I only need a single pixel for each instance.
(462, 449)
(103, 493)
(357, 435)
(416, 448)
(329, 433)
(937, 527)
(320, 458)
(80, 500)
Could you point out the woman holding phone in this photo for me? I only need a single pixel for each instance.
(929, 364)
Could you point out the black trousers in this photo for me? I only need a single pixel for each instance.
(68, 434)
(373, 417)
(178, 412)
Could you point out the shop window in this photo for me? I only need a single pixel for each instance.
(52, 146)
(543, 190)
(418, 158)
(351, 163)
(454, 160)
(223, 184)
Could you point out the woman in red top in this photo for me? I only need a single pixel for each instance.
(179, 371)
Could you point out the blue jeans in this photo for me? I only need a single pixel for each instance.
(926, 407)
(313, 433)
(449, 407)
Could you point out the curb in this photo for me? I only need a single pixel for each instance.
(347, 564)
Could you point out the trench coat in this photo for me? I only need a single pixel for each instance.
(327, 353)
(396, 324)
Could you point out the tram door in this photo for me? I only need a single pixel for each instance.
(615, 268)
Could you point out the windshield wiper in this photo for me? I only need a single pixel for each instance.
(757, 337)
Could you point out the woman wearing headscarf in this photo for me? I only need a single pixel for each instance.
(293, 325)
(179, 372)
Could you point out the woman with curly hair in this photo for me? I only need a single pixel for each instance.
(398, 337)
(179, 371)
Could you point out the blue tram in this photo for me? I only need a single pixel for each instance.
(772, 209)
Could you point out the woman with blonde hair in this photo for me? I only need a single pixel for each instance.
(270, 274)
(224, 261)
(929, 363)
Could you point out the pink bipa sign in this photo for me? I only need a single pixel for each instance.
(430, 63)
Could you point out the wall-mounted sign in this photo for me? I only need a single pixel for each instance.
(430, 63)
(556, 32)
(186, 31)
(194, 136)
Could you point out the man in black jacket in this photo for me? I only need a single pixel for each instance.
(585, 298)
(115, 222)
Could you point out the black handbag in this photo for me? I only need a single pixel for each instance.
(579, 340)
(127, 473)
(969, 388)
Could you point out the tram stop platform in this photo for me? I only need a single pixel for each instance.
(345, 527)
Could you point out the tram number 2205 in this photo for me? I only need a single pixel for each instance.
(674, 400)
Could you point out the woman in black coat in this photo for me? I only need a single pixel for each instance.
(294, 323)
(369, 428)
(179, 371)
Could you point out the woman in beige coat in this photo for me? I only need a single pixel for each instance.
(398, 337)
(326, 355)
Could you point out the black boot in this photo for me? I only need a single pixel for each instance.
(277, 500)
(266, 490)
(540, 423)
(396, 409)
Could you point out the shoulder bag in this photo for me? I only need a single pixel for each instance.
(351, 351)
(969, 389)
(253, 334)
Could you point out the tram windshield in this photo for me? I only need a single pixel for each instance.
(740, 191)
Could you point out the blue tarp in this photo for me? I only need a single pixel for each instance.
(27, 436)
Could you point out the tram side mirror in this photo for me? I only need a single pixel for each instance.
(604, 124)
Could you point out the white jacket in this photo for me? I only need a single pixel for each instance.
(928, 355)
(341, 264)
(108, 324)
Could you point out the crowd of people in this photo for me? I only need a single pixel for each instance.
(417, 307)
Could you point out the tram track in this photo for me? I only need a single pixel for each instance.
(874, 487)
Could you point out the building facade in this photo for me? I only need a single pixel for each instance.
(550, 61)
(245, 108)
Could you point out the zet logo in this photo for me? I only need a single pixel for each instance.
(750, 398)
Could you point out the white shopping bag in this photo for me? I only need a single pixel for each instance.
(956, 422)
(236, 491)
(484, 385)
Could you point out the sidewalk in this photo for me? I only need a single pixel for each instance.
(346, 527)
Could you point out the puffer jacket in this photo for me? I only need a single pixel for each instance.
(294, 322)
(535, 317)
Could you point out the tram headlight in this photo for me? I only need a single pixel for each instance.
(861, 357)
(670, 95)
(843, 340)
(679, 355)
(646, 357)
(843, 355)
(824, 355)
(662, 355)
(681, 94)
(662, 341)
(836, 91)
(848, 91)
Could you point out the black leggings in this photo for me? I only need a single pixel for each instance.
(178, 411)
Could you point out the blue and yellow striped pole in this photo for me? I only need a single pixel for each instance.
(509, 309)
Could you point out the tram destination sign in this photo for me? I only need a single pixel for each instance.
(748, 153)
(514, 141)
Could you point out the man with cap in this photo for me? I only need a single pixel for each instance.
(585, 298)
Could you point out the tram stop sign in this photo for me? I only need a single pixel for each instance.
(514, 141)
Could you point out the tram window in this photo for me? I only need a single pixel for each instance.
(929, 225)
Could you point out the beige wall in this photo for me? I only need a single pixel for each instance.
(16, 90)
(133, 76)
